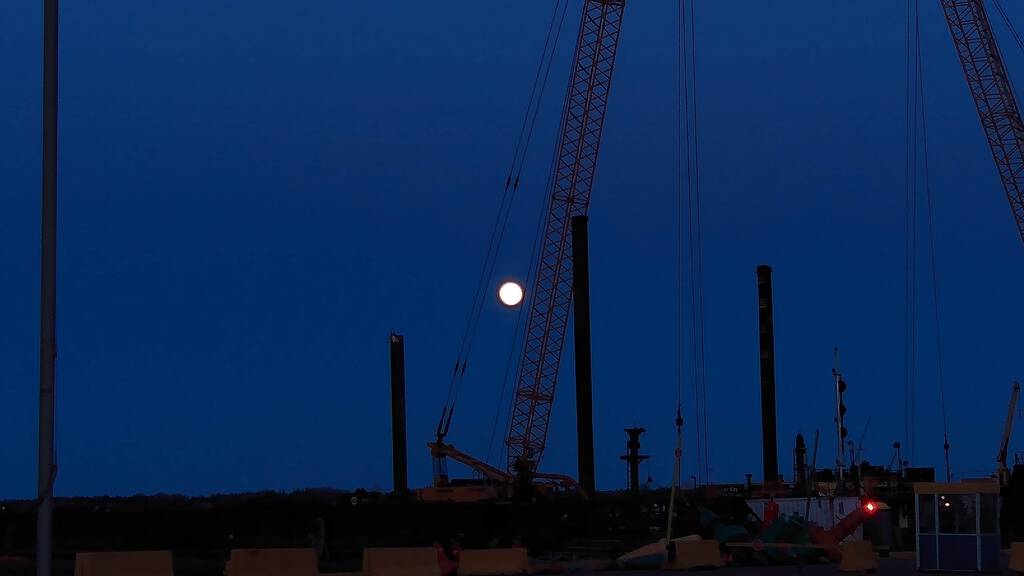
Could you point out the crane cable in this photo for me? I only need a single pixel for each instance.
(680, 190)
(680, 275)
(517, 331)
(1009, 24)
(910, 400)
(687, 153)
(512, 180)
(923, 118)
(699, 282)
(695, 228)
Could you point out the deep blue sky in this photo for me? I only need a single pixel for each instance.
(253, 196)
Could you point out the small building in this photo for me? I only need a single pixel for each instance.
(957, 526)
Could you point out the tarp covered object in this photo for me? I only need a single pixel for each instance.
(825, 512)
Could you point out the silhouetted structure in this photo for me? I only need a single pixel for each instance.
(767, 329)
(581, 332)
(575, 165)
(633, 457)
(800, 461)
(398, 439)
(47, 470)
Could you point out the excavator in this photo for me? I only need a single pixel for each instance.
(575, 165)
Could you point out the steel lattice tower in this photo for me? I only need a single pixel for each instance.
(551, 299)
(993, 96)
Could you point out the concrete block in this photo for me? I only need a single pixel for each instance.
(494, 562)
(858, 556)
(696, 554)
(152, 563)
(272, 562)
(1017, 557)
(400, 562)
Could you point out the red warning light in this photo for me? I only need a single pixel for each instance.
(870, 507)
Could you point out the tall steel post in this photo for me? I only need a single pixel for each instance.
(47, 295)
(399, 457)
(581, 332)
(769, 443)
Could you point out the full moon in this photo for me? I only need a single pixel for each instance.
(510, 294)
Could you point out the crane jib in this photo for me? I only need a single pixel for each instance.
(575, 166)
(990, 87)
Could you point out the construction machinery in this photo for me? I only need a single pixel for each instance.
(992, 92)
(1004, 443)
(993, 96)
(550, 303)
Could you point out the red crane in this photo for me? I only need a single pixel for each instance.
(992, 93)
(586, 101)
(582, 120)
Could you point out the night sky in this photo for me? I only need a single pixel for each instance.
(254, 194)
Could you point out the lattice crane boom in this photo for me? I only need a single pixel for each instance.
(993, 95)
(576, 163)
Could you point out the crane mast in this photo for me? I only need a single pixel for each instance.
(575, 165)
(993, 96)
(583, 113)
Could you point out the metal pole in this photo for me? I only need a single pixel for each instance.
(581, 331)
(840, 451)
(399, 458)
(670, 551)
(769, 444)
(47, 295)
